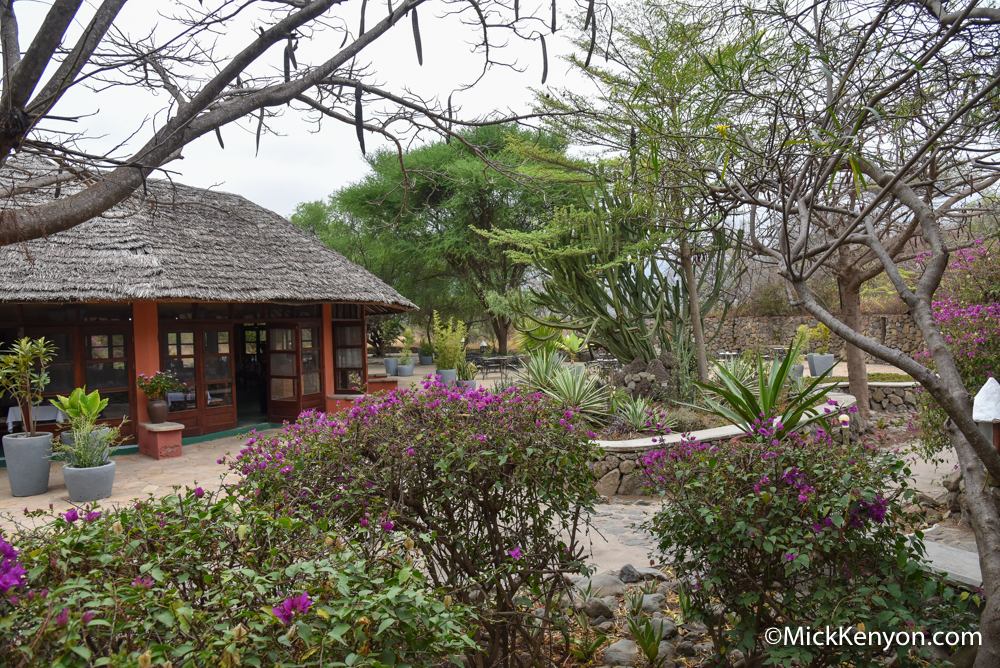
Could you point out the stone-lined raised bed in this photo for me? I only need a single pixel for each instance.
(616, 471)
(891, 397)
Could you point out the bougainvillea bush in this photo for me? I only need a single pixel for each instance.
(969, 318)
(195, 580)
(491, 487)
(785, 531)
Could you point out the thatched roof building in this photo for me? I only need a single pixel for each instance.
(258, 319)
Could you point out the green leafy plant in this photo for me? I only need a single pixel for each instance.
(24, 376)
(406, 359)
(467, 371)
(448, 342)
(355, 382)
(821, 333)
(647, 637)
(633, 603)
(533, 339)
(572, 344)
(801, 343)
(196, 579)
(541, 369)
(426, 349)
(586, 647)
(744, 407)
(157, 385)
(742, 369)
(92, 445)
(582, 392)
(640, 414)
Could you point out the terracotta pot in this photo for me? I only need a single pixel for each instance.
(157, 410)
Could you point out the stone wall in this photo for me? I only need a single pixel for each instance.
(758, 333)
(892, 397)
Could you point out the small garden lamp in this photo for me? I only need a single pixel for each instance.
(483, 346)
(986, 410)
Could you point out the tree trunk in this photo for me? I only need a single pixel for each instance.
(694, 308)
(501, 327)
(850, 295)
(981, 508)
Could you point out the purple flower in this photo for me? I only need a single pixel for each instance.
(790, 556)
(387, 526)
(92, 516)
(71, 515)
(198, 492)
(516, 552)
(11, 572)
(143, 583)
(87, 616)
(63, 617)
(364, 522)
(296, 605)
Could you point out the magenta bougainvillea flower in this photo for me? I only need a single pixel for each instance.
(516, 552)
(71, 515)
(11, 572)
(296, 605)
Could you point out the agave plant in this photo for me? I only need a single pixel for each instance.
(742, 405)
(743, 370)
(540, 371)
(640, 415)
(581, 391)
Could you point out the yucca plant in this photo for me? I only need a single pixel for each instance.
(743, 370)
(583, 392)
(541, 369)
(742, 406)
(640, 415)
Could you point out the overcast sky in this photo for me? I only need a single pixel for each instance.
(305, 164)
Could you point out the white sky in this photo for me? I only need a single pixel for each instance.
(304, 165)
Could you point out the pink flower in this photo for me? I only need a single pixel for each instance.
(296, 605)
(198, 492)
(92, 516)
(63, 617)
(71, 515)
(87, 616)
(515, 553)
(388, 526)
(143, 583)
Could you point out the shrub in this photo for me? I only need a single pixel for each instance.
(641, 415)
(448, 342)
(787, 533)
(196, 580)
(491, 488)
(767, 300)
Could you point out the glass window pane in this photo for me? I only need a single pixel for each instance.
(218, 368)
(310, 361)
(216, 342)
(99, 312)
(182, 400)
(282, 339)
(63, 342)
(213, 311)
(184, 368)
(350, 336)
(282, 388)
(104, 375)
(171, 337)
(310, 383)
(283, 364)
(117, 407)
(62, 378)
(310, 338)
(118, 339)
(349, 358)
(175, 311)
(279, 311)
(311, 311)
(187, 350)
(187, 337)
(219, 394)
(48, 312)
(248, 311)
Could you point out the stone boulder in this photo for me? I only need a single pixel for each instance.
(595, 607)
(622, 653)
(602, 585)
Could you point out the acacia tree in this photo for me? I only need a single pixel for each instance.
(208, 88)
(861, 125)
(453, 204)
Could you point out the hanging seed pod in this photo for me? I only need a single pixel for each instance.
(218, 135)
(347, 34)
(590, 15)
(260, 126)
(361, 30)
(416, 38)
(292, 46)
(593, 42)
(447, 139)
(553, 17)
(517, 9)
(358, 120)
(545, 59)
(287, 66)
(611, 31)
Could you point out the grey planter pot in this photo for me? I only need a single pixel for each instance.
(391, 365)
(467, 384)
(404, 370)
(28, 463)
(819, 364)
(797, 370)
(89, 484)
(68, 438)
(448, 376)
(426, 359)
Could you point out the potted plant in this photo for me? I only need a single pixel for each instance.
(155, 388)
(89, 471)
(24, 376)
(572, 344)
(406, 359)
(426, 352)
(449, 347)
(800, 342)
(391, 365)
(467, 375)
(820, 361)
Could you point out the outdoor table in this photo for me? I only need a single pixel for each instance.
(41, 413)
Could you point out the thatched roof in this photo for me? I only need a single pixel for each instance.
(176, 242)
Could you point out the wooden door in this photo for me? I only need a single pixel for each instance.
(284, 392)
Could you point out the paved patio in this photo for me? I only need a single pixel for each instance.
(136, 476)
